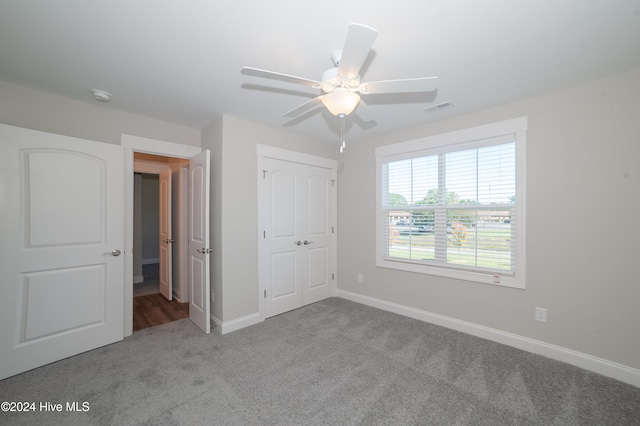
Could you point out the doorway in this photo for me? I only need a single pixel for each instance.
(196, 239)
(146, 262)
(160, 291)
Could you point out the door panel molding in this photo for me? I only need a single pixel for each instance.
(88, 283)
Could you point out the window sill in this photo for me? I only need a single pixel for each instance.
(479, 277)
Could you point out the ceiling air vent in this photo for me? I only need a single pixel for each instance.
(438, 107)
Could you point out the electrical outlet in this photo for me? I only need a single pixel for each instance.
(360, 278)
(541, 314)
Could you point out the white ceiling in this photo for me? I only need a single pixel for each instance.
(180, 61)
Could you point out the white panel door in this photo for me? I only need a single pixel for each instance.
(298, 236)
(166, 240)
(62, 289)
(198, 235)
(283, 269)
(317, 234)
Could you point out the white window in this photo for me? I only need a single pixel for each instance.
(453, 204)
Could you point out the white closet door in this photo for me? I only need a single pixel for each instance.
(298, 235)
(317, 234)
(62, 289)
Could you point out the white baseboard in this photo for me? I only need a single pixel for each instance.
(178, 296)
(138, 279)
(217, 322)
(236, 324)
(602, 366)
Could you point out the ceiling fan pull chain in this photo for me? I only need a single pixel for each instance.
(344, 144)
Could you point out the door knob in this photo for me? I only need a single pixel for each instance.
(115, 253)
(306, 243)
(168, 240)
(298, 242)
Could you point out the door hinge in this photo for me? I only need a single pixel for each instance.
(265, 294)
(333, 277)
(264, 174)
(333, 182)
(333, 231)
(264, 234)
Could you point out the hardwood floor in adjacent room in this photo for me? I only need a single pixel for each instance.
(150, 308)
(153, 309)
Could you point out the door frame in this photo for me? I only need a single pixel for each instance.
(131, 144)
(267, 151)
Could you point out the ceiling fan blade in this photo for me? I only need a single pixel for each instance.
(360, 38)
(304, 107)
(425, 84)
(364, 112)
(256, 72)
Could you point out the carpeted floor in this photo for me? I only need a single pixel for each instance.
(331, 363)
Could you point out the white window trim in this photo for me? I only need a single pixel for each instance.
(412, 148)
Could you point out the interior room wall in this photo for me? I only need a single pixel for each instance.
(137, 228)
(150, 219)
(234, 206)
(582, 212)
(33, 109)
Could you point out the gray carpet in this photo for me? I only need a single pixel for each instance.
(331, 363)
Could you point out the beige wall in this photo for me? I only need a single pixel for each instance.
(23, 107)
(583, 229)
(234, 207)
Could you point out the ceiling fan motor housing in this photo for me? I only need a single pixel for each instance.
(331, 80)
(336, 56)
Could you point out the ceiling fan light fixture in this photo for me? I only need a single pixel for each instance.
(341, 101)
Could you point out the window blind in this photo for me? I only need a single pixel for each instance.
(453, 207)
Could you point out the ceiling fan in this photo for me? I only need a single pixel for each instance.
(341, 85)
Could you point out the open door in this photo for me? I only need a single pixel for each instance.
(62, 289)
(166, 240)
(198, 234)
